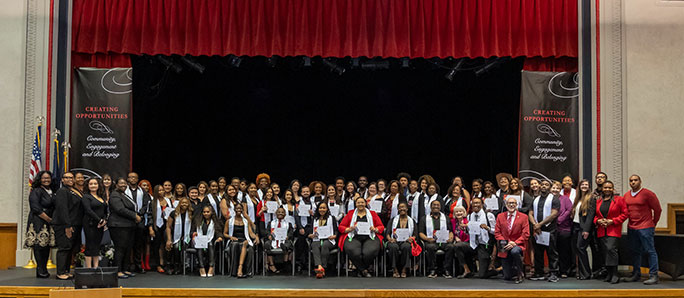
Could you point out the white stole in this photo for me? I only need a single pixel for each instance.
(210, 230)
(250, 208)
(415, 205)
(138, 198)
(572, 195)
(428, 202)
(290, 217)
(484, 234)
(395, 224)
(328, 223)
(210, 197)
(369, 218)
(395, 203)
(429, 228)
(231, 225)
(547, 207)
(177, 228)
(159, 221)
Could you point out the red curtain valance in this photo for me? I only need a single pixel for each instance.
(330, 28)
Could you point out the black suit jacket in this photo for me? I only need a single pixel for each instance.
(122, 211)
(68, 208)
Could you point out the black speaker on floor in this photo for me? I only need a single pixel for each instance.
(103, 277)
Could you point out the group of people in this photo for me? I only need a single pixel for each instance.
(481, 232)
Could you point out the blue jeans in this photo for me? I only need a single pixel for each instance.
(641, 241)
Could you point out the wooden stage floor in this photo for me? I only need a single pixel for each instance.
(22, 283)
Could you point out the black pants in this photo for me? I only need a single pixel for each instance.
(597, 254)
(362, 252)
(142, 237)
(41, 254)
(552, 254)
(400, 254)
(609, 245)
(206, 256)
(158, 243)
(301, 249)
(66, 247)
(93, 239)
(123, 242)
(431, 256)
(579, 244)
(512, 263)
(566, 257)
(321, 252)
(465, 255)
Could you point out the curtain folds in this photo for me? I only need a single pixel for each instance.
(331, 28)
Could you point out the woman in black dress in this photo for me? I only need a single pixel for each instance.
(239, 242)
(96, 212)
(39, 234)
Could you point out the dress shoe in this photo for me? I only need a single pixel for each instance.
(632, 278)
(654, 279)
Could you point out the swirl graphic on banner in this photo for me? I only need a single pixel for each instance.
(117, 81)
(99, 126)
(87, 173)
(546, 129)
(533, 175)
(567, 92)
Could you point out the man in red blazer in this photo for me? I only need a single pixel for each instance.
(512, 231)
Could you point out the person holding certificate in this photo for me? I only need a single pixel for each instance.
(334, 203)
(266, 210)
(400, 233)
(280, 236)
(239, 235)
(303, 223)
(479, 241)
(611, 212)
(361, 236)
(206, 232)
(323, 235)
(436, 234)
(390, 206)
(545, 210)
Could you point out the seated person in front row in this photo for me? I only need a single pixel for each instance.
(400, 233)
(436, 234)
(274, 241)
(362, 236)
(207, 227)
(512, 232)
(239, 235)
(478, 242)
(323, 224)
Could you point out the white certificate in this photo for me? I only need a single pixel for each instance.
(334, 210)
(363, 228)
(442, 236)
(376, 205)
(402, 234)
(474, 227)
(543, 238)
(492, 203)
(280, 234)
(202, 241)
(304, 209)
(324, 232)
(272, 206)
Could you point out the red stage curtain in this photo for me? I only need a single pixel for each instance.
(330, 28)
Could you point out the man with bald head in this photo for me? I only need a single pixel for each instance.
(644, 211)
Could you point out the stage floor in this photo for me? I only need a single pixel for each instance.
(26, 277)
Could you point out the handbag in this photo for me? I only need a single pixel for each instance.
(415, 248)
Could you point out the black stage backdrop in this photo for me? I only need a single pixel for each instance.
(312, 124)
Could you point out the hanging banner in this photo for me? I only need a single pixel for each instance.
(101, 122)
(549, 128)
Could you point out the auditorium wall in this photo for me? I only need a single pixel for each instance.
(23, 85)
(642, 95)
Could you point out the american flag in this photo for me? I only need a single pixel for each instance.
(35, 156)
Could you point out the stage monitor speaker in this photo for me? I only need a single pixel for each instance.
(103, 277)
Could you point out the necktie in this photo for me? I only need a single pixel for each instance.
(277, 241)
(510, 221)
